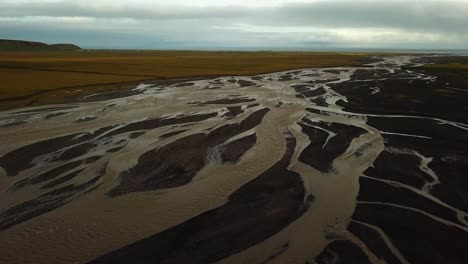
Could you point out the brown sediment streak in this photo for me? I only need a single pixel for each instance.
(233, 111)
(170, 134)
(230, 101)
(42, 204)
(247, 145)
(327, 142)
(159, 122)
(254, 212)
(177, 163)
(245, 169)
(20, 159)
(340, 251)
(49, 175)
(233, 151)
(373, 235)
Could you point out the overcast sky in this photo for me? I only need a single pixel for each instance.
(239, 24)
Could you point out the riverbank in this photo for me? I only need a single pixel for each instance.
(40, 78)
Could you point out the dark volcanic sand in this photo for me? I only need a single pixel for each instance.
(175, 164)
(254, 212)
(424, 226)
(324, 165)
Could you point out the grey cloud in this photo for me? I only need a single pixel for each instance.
(157, 25)
(422, 15)
(142, 11)
(425, 15)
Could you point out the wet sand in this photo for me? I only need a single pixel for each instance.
(349, 164)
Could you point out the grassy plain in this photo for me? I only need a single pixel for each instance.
(461, 66)
(452, 70)
(34, 78)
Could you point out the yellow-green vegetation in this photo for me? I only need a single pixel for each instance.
(31, 78)
(463, 66)
(453, 73)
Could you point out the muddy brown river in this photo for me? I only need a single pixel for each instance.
(319, 165)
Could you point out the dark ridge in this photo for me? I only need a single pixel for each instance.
(216, 82)
(230, 101)
(313, 93)
(419, 238)
(75, 151)
(92, 189)
(372, 239)
(136, 134)
(92, 159)
(256, 211)
(407, 171)
(112, 150)
(233, 111)
(42, 204)
(233, 151)
(322, 81)
(320, 101)
(457, 78)
(65, 47)
(299, 88)
(42, 110)
(253, 105)
(54, 173)
(61, 180)
(84, 119)
(333, 71)
(160, 122)
(171, 134)
(342, 252)
(405, 97)
(423, 127)
(316, 111)
(49, 175)
(311, 75)
(212, 88)
(376, 191)
(106, 95)
(20, 159)
(277, 253)
(285, 78)
(248, 123)
(17, 123)
(449, 162)
(21, 45)
(169, 166)
(322, 158)
(244, 83)
(451, 169)
(184, 84)
(101, 172)
(50, 116)
(177, 162)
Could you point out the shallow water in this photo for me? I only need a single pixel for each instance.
(77, 225)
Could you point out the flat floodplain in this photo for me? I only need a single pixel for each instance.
(34, 78)
(363, 162)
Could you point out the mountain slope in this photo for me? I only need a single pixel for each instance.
(20, 45)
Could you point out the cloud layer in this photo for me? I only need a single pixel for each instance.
(239, 24)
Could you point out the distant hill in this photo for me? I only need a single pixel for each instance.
(21, 45)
